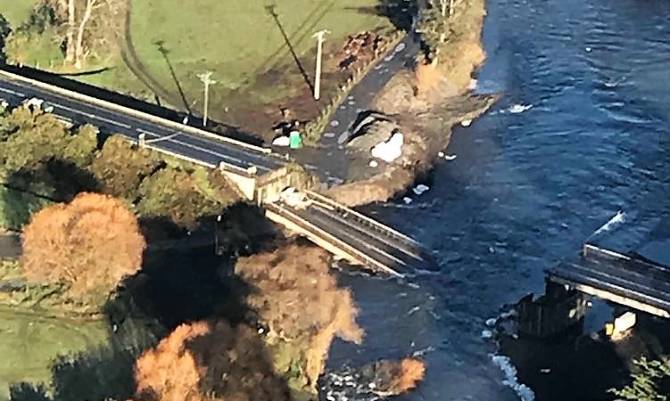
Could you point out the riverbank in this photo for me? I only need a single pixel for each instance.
(425, 102)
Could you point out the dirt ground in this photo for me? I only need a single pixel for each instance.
(426, 103)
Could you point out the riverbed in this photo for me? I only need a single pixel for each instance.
(580, 133)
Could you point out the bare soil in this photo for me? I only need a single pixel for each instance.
(426, 103)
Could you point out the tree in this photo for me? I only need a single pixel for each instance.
(206, 362)
(120, 167)
(32, 137)
(174, 193)
(650, 383)
(81, 146)
(297, 298)
(88, 245)
(87, 25)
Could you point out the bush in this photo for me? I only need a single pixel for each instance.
(89, 245)
(173, 193)
(651, 382)
(120, 167)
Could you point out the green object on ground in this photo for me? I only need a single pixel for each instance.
(295, 140)
(29, 342)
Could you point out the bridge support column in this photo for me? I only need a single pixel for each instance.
(559, 310)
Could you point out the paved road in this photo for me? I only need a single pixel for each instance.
(401, 255)
(333, 160)
(205, 150)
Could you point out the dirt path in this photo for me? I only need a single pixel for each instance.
(135, 65)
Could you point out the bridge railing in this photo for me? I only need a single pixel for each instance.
(371, 223)
(319, 234)
(132, 112)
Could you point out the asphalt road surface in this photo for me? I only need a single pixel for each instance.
(205, 150)
(395, 253)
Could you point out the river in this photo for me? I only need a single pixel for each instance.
(529, 184)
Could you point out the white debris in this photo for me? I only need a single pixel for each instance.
(486, 334)
(545, 370)
(473, 84)
(466, 123)
(292, 197)
(373, 163)
(519, 108)
(281, 141)
(389, 150)
(420, 189)
(588, 49)
(491, 322)
(505, 364)
(450, 157)
(407, 200)
(440, 154)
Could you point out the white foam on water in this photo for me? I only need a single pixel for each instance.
(619, 217)
(519, 108)
(511, 380)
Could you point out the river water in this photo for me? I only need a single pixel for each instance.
(529, 184)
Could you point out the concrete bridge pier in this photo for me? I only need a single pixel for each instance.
(559, 310)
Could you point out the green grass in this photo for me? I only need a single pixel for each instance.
(29, 342)
(241, 44)
(16, 11)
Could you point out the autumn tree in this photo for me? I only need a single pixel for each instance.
(208, 361)
(88, 245)
(297, 298)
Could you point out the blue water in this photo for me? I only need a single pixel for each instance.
(526, 189)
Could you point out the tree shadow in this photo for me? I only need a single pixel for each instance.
(400, 12)
(160, 44)
(51, 181)
(273, 13)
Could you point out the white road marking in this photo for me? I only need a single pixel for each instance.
(90, 115)
(198, 148)
(12, 92)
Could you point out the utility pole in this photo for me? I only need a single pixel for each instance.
(206, 79)
(319, 49)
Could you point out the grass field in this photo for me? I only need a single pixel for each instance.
(16, 11)
(260, 61)
(244, 47)
(29, 343)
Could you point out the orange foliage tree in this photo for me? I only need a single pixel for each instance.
(206, 362)
(89, 244)
(295, 295)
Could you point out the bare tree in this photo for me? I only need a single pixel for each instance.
(79, 44)
(71, 24)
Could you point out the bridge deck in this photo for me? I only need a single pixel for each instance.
(381, 250)
(623, 279)
(163, 135)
